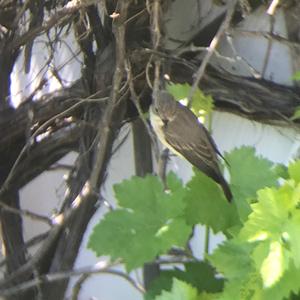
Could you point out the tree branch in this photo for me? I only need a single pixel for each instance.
(255, 99)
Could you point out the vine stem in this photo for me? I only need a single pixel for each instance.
(207, 239)
(207, 230)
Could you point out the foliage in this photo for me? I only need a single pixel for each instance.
(200, 275)
(180, 290)
(296, 114)
(200, 104)
(296, 76)
(203, 205)
(148, 222)
(260, 259)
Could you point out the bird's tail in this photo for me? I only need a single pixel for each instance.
(226, 189)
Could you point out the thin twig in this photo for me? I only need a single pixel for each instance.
(58, 224)
(267, 35)
(136, 15)
(60, 16)
(32, 242)
(60, 166)
(78, 285)
(272, 8)
(86, 271)
(156, 39)
(105, 132)
(207, 240)
(136, 102)
(162, 166)
(39, 130)
(269, 47)
(25, 213)
(237, 57)
(211, 48)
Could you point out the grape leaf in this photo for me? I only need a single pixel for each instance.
(149, 221)
(273, 266)
(179, 91)
(292, 233)
(281, 171)
(296, 76)
(248, 173)
(206, 204)
(296, 114)
(180, 291)
(294, 171)
(199, 274)
(201, 104)
(274, 226)
(289, 283)
(232, 259)
(267, 217)
(246, 288)
(265, 225)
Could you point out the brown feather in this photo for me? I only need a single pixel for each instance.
(179, 129)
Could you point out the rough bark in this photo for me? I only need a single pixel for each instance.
(255, 99)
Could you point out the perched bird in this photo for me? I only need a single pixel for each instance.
(179, 130)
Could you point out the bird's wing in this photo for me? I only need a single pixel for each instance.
(192, 141)
(213, 144)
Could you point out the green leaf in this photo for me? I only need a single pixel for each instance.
(281, 171)
(282, 289)
(273, 265)
(294, 170)
(296, 76)
(201, 104)
(247, 288)
(263, 260)
(206, 204)
(267, 218)
(275, 225)
(179, 91)
(296, 114)
(273, 215)
(291, 234)
(180, 291)
(148, 223)
(232, 259)
(202, 276)
(199, 274)
(248, 173)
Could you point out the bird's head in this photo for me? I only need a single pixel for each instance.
(164, 105)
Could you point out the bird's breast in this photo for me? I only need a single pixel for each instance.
(159, 126)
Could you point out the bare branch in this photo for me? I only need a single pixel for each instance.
(272, 8)
(26, 213)
(212, 47)
(58, 276)
(32, 242)
(58, 18)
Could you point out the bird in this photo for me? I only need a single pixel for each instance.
(178, 128)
